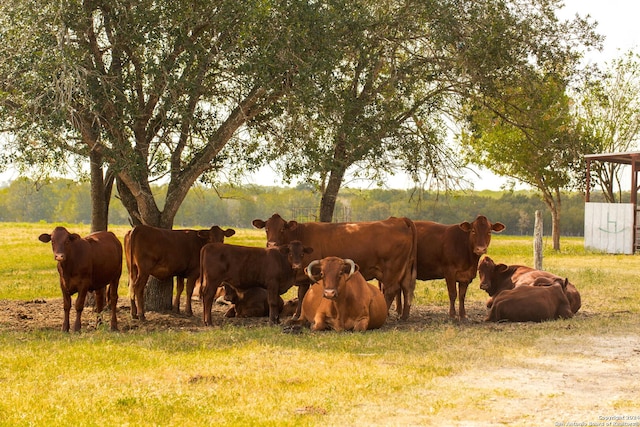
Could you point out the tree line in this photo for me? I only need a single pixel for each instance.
(67, 201)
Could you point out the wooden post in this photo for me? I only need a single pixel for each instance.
(537, 242)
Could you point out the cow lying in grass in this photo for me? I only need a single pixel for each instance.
(496, 278)
(341, 299)
(531, 304)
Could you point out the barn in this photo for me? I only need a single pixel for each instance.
(613, 227)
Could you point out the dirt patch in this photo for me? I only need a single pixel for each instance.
(47, 314)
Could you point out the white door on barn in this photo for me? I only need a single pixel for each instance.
(608, 227)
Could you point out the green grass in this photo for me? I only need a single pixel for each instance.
(259, 376)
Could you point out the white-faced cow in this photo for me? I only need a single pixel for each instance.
(452, 252)
(531, 304)
(86, 264)
(245, 267)
(384, 250)
(341, 299)
(495, 278)
(161, 253)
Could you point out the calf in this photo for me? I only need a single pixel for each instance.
(251, 303)
(86, 264)
(342, 299)
(161, 253)
(531, 304)
(244, 267)
(495, 278)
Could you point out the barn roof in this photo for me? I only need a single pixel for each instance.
(628, 158)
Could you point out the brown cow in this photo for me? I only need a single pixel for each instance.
(531, 304)
(86, 264)
(161, 253)
(452, 252)
(495, 278)
(244, 267)
(385, 250)
(341, 299)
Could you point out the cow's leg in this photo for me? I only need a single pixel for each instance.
(207, 304)
(463, 292)
(302, 291)
(113, 303)
(67, 308)
(361, 324)
(137, 297)
(82, 295)
(273, 298)
(100, 297)
(191, 285)
(453, 294)
(179, 289)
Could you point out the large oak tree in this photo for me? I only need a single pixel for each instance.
(149, 90)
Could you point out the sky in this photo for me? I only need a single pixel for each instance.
(617, 21)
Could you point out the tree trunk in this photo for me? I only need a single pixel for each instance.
(158, 294)
(99, 201)
(330, 195)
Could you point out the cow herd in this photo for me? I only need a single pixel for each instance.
(330, 263)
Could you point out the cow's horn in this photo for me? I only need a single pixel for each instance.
(309, 268)
(352, 264)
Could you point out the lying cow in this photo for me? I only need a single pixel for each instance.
(245, 267)
(161, 253)
(531, 304)
(251, 303)
(341, 299)
(86, 264)
(452, 252)
(495, 278)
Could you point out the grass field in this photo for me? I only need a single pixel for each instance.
(429, 371)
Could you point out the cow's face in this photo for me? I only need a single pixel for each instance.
(295, 251)
(480, 233)
(485, 271)
(276, 229)
(334, 273)
(215, 234)
(60, 238)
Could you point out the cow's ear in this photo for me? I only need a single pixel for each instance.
(501, 268)
(291, 225)
(465, 226)
(44, 238)
(307, 250)
(498, 227)
(203, 234)
(258, 223)
(74, 236)
(229, 232)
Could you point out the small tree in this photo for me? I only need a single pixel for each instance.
(533, 140)
(609, 113)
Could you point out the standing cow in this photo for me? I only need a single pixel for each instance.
(452, 252)
(495, 278)
(161, 253)
(384, 250)
(341, 299)
(86, 264)
(245, 267)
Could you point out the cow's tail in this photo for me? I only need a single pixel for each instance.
(410, 276)
(131, 268)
